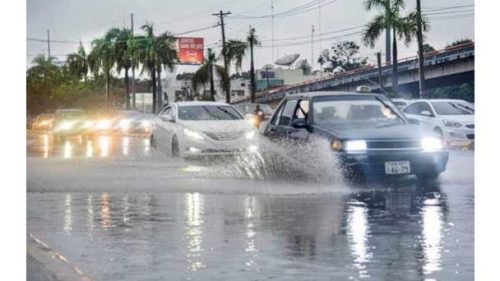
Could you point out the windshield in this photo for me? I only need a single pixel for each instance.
(453, 108)
(363, 111)
(399, 103)
(208, 112)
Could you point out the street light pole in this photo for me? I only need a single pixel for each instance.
(133, 66)
(421, 81)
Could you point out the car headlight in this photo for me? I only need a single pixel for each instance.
(104, 124)
(124, 124)
(193, 135)
(336, 145)
(450, 123)
(355, 145)
(431, 144)
(66, 125)
(250, 135)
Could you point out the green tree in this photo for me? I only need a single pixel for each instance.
(427, 48)
(342, 56)
(78, 63)
(205, 74)
(402, 27)
(102, 58)
(459, 42)
(153, 53)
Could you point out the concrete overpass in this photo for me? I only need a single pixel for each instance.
(450, 66)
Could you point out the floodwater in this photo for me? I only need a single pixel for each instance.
(125, 212)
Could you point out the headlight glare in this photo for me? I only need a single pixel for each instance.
(355, 145)
(336, 145)
(192, 134)
(250, 135)
(431, 144)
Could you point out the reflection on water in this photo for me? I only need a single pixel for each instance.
(68, 217)
(68, 149)
(104, 145)
(89, 151)
(45, 140)
(146, 146)
(380, 234)
(358, 231)
(194, 230)
(125, 145)
(105, 211)
(432, 234)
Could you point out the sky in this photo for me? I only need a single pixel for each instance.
(72, 21)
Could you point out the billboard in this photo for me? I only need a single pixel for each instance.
(190, 50)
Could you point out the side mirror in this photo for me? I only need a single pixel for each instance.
(299, 123)
(426, 113)
(413, 121)
(167, 118)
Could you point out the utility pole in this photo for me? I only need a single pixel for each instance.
(319, 34)
(388, 43)
(48, 42)
(224, 52)
(421, 81)
(133, 66)
(312, 46)
(272, 28)
(379, 63)
(251, 38)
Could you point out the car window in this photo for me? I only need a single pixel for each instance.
(413, 108)
(166, 112)
(276, 116)
(425, 107)
(288, 112)
(453, 108)
(302, 109)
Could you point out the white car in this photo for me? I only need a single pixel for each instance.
(452, 119)
(190, 129)
(401, 103)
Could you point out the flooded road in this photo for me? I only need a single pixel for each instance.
(118, 210)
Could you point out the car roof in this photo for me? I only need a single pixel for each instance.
(441, 100)
(69, 110)
(330, 93)
(199, 103)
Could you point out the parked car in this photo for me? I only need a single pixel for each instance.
(401, 103)
(451, 119)
(366, 132)
(187, 129)
(255, 113)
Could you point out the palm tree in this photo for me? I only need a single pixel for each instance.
(78, 63)
(122, 55)
(102, 58)
(235, 51)
(205, 74)
(390, 18)
(43, 67)
(153, 53)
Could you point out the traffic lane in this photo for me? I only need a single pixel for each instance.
(167, 218)
(406, 232)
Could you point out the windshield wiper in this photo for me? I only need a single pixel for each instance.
(460, 109)
(466, 107)
(228, 113)
(206, 109)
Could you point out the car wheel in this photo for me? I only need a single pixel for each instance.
(152, 142)
(175, 147)
(439, 132)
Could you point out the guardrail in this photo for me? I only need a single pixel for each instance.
(371, 71)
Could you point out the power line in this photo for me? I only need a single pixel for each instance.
(310, 6)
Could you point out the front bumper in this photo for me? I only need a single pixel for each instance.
(373, 162)
(459, 136)
(192, 148)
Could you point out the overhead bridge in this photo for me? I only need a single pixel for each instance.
(450, 66)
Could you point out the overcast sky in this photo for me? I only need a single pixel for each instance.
(72, 20)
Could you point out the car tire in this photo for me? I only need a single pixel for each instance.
(175, 147)
(152, 142)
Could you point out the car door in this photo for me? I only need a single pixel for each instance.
(278, 129)
(163, 127)
(426, 114)
(300, 135)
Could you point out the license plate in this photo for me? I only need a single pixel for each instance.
(397, 167)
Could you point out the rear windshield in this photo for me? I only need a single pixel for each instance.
(453, 108)
(208, 112)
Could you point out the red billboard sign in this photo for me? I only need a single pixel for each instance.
(190, 50)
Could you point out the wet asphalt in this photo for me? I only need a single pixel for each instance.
(120, 210)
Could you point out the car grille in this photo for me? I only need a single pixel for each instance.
(471, 126)
(397, 144)
(470, 136)
(224, 136)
